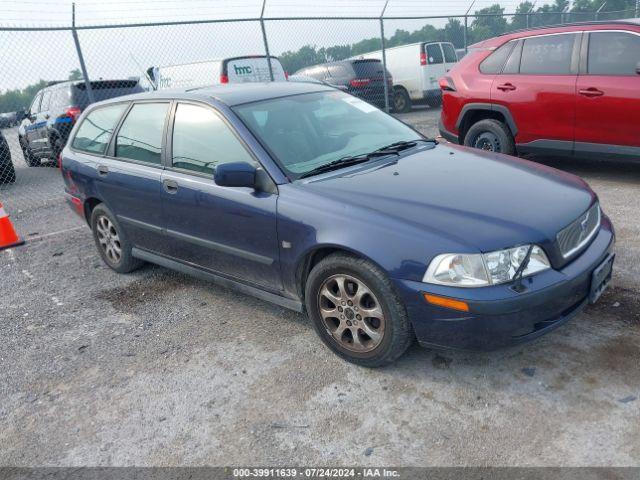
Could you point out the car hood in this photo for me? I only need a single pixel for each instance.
(483, 200)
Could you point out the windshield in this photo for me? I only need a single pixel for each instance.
(303, 132)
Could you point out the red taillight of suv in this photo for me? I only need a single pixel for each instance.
(423, 58)
(73, 113)
(360, 82)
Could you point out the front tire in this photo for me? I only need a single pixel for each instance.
(111, 241)
(401, 101)
(491, 135)
(29, 158)
(356, 312)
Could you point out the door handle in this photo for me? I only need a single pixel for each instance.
(170, 186)
(103, 170)
(506, 87)
(591, 92)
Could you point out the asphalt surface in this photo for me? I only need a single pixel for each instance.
(157, 368)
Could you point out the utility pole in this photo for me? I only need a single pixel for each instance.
(466, 27)
(384, 58)
(83, 67)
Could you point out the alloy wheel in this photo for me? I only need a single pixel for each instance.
(351, 313)
(109, 239)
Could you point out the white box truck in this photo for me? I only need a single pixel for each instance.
(416, 69)
(215, 72)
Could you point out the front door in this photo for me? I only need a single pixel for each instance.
(537, 86)
(608, 95)
(31, 123)
(231, 231)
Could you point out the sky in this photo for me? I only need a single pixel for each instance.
(28, 56)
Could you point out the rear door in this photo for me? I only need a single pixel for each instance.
(537, 86)
(450, 56)
(129, 177)
(253, 69)
(231, 231)
(43, 121)
(434, 69)
(608, 88)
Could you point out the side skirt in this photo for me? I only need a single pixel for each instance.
(291, 304)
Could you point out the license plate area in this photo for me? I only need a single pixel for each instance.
(600, 278)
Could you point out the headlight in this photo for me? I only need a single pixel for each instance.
(479, 270)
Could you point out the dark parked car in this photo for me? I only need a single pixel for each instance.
(362, 78)
(310, 198)
(7, 172)
(571, 90)
(53, 113)
(8, 119)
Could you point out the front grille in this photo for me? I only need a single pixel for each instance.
(572, 238)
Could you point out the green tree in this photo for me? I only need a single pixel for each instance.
(520, 21)
(454, 32)
(75, 74)
(488, 23)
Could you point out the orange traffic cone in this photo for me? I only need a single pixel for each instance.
(8, 236)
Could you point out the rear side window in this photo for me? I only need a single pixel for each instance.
(449, 53)
(613, 53)
(46, 97)
(96, 129)
(494, 62)
(547, 55)
(60, 98)
(35, 105)
(104, 90)
(202, 140)
(434, 54)
(140, 137)
(338, 71)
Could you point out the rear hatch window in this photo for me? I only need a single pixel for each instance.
(368, 69)
(103, 90)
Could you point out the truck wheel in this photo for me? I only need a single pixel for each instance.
(491, 135)
(401, 101)
(355, 311)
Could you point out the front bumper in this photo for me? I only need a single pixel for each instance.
(499, 317)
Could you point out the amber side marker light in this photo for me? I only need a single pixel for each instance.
(446, 302)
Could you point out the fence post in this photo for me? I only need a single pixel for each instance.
(384, 59)
(466, 28)
(83, 67)
(264, 39)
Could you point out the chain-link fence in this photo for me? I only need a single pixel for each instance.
(49, 75)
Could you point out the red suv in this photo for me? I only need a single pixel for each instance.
(572, 89)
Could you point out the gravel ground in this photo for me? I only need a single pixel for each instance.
(157, 368)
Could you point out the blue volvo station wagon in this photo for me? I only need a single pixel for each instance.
(310, 198)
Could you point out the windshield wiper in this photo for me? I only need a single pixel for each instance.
(347, 161)
(403, 145)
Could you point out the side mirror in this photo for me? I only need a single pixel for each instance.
(235, 174)
(638, 68)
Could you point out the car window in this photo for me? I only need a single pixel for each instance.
(513, 62)
(494, 62)
(449, 53)
(61, 98)
(305, 131)
(434, 54)
(35, 105)
(96, 129)
(202, 140)
(46, 97)
(140, 137)
(613, 53)
(547, 55)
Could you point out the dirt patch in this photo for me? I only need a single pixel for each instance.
(142, 291)
(622, 302)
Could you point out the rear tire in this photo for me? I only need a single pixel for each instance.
(401, 101)
(7, 173)
(491, 135)
(112, 242)
(356, 312)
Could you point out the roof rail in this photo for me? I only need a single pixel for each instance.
(634, 22)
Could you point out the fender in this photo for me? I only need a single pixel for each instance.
(471, 107)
